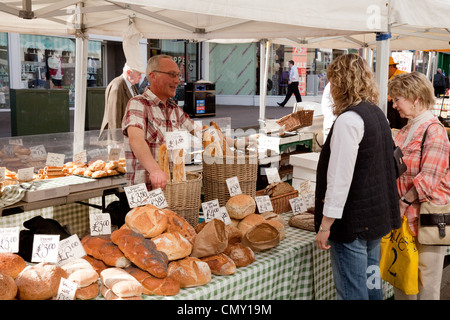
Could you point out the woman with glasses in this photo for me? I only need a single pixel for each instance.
(148, 117)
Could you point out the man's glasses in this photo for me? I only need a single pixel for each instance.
(171, 74)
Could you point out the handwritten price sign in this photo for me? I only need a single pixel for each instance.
(137, 195)
(66, 290)
(100, 223)
(264, 204)
(233, 186)
(177, 140)
(70, 249)
(210, 209)
(9, 239)
(158, 199)
(45, 248)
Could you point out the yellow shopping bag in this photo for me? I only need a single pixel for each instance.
(399, 261)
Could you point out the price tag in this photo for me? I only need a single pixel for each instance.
(137, 195)
(309, 199)
(16, 142)
(233, 186)
(45, 248)
(305, 187)
(55, 159)
(210, 209)
(9, 240)
(268, 143)
(114, 154)
(264, 204)
(177, 140)
(157, 198)
(223, 215)
(25, 174)
(2, 174)
(272, 175)
(96, 154)
(66, 290)
(298, 205)
(70, 249)
(213, 132)
(100, 223)
(38, 152)
(80, 157)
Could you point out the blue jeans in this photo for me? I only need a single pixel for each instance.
(356, 269)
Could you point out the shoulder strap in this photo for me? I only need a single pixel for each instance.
(423, 140)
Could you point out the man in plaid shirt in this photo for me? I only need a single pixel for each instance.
(147, 118)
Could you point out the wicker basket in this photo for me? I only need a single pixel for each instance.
(280, 203)
(217, 170)
(185, 197)
(295, 120)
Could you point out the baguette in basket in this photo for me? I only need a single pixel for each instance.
(178, 172)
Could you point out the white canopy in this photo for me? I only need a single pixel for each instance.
(299, 22)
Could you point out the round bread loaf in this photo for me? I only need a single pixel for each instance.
(11, 264)
(220, 264)
(89, 292)
(240, 254)
(147, 220)
(8, 288)
(177, 223)
(269, 215)
(249, 221)
(39, 282)
(190, 272)
(240, 206)
(234, 234)
(279, 226)
(173, 244)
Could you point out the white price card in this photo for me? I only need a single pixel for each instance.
(157, 198)
(2, 174)
(38, 152)
(264, 204)
(25, 174)
(114, 154)
(268, 143)
(67, 290)
(80, 157)
(137, 195)
(298, 205)
(16, 142)
(309, 199)
(9, 240)
(55, 159)
(305, 187)
(210, 209)
(272, 175)
(233, 186)
(70, 249)
(45, 248)
(177, 140)
(100, 223)
(223, 215)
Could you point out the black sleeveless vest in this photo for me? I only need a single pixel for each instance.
(371, 209)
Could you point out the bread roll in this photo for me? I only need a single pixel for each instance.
(102, 248)
(11, 264)
(240, 206)
(249, 221)
(89, 292)
(220, 264)
(176, 223)
(8, 288)
(81, 272)
(152, 285)
(173, 244)
(97, 165)
(39, 282)
(142, 252)
(121, 282)
(147, 220)
(240, 254)
(108, 294)
(190, 272)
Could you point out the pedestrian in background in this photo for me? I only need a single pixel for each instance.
(356, 193)
(292, 85)
(439, 83)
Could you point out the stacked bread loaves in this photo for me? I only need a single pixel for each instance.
(84, 275)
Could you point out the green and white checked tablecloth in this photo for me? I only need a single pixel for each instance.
(294, 270)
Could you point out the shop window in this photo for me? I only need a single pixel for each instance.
(4, 71)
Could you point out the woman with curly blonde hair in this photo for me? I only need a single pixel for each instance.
(356, 191)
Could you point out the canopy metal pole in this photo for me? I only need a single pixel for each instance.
(382, 67)
(263, 75)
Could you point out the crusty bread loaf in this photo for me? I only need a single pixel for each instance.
(97, 264)
(176, 223)
(249, 221)
(279, 226)
(81, 272)
(102, 248)
(278, 188)
(225, 147)
(240, 254)
(173, 244)
(190, 272)
(163, 160)
(240, 206)
(234, 234)
(89, 292)
(261, 237)
(121, 282)
(179, 173)
(147, 220)
(8, 288)
(269, 215)
(154, 286)
(11, 264)
(303, 221)
(141, 251)
(39, 282)
(220, 264)
(108, 294)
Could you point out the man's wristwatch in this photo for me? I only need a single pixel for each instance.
(405, 201)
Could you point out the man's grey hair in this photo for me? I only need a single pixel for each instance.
(153, 63)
